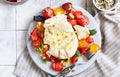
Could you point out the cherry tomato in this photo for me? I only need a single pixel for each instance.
(59, 10)
(83, 50)
(78, 14)
(42, 35)
(46, 56)
(34, 34)
(57, 66)
(54, 59)
(39, 26)
(94, 47)
(82, 43)
(45, 48)
(89, 39)
(67, 6)
(83, 20)
(73, 22)
(74, 59)
(37, 43)
(48, 12)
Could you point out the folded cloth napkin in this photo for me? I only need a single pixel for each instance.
(106, 65)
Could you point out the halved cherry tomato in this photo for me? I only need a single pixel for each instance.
(73, 22)
(78, 14)
(82, 43)
(46, 56)
(94, 47)
(54, 59)
(74, 59)
(57, 66)
(48, 12)
(83, 20)
(89, 39)
(83, 50)
(67, 6)
(59, 10)
(34, 34)
(37, 43)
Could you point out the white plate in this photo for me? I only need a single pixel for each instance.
(47, 66)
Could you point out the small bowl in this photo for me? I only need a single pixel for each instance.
(113, 7)
(16, 3)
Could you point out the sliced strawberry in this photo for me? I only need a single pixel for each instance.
(34, 34)
(48, 12)
(37, 43)
(83, 21)
(89, 39)
(67, 6)
(73, 22)
(78, 14)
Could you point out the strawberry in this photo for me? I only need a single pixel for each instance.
(83, 20)
(78, 14)
(48, 12)
(34, 34)
(73, 22)
(67, 6)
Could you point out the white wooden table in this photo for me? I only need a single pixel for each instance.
(14, 22)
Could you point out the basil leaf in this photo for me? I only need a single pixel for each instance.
(77, 53)
(93, 31)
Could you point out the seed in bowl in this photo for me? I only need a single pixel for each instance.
(105, 4)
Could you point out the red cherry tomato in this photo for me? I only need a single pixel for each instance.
(83, 21)
(48, 12)
(57, 66)
(74, 59)
(78, 14)
(89, 39)
(73, 22)
(52, 58)
(37, 43)
(34, 34)
(83, 50)
(42, 35)
(67, 6)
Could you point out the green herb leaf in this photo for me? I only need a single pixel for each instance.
(93, 31)
(77, 53)
(40, 49)
(44, 59)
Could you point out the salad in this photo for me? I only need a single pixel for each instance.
(61, 36)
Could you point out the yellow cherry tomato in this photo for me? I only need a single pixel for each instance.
(94, 47)
(59, 10)
(39, 26)
(82, 43)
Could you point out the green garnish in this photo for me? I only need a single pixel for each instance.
(71, 16)
(93, 31)
(40, 49)
(65, 60)
(44, 59)
(77, 53)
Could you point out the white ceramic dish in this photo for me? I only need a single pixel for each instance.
(114, 6)
(15, 3)
(47, 66)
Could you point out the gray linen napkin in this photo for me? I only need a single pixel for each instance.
(106, 65)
